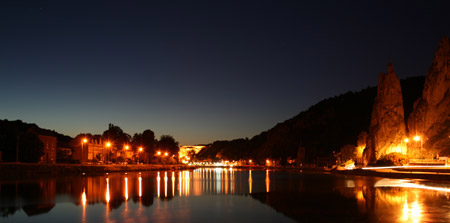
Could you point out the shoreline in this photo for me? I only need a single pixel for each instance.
(13, 170)
(430, 174)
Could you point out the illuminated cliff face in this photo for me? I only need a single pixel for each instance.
(387, 126)
(186, 152)
(431, 116)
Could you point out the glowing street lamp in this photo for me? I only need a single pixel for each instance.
(417, 138)
(158, 153)
(108, 144)
(82, 143)
(406, 140)
(139, 153)
(126, 147)
(166, 154)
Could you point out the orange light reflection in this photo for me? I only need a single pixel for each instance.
(165, 184)
(250, 181)
(158, 181)
(140, 186)
(126, 188)
(173, 184)
(108, 198)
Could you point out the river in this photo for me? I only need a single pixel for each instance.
(223, 195)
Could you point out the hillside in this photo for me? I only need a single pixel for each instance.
(323, 128)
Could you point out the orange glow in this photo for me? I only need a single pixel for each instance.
(406, 140)
(173, 184)
(250, 161)
(83, 197)
(267, 181)
(140, 149)
(84, 140)
(165, 184)
(416, 138)
(158, 153)
(250, 182)
(108, 197)
(166, 154)
(108, 144)
(158, 181)
(180, 182)
(126, 147)
(140, 186)
(126, 188)
(267, 161)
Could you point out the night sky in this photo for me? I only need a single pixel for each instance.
(201, 70)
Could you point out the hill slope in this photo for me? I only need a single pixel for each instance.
(323, 128)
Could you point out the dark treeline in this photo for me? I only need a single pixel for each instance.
(319, 131)
(26, 135)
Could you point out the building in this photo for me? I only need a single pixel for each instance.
(49, 143)
(91, 150)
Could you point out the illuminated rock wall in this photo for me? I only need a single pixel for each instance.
(430, 119)
(387, 126)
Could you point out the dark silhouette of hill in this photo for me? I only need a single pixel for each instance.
(323, 128)
(10, 130)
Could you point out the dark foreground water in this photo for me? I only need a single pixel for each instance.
(223, 195)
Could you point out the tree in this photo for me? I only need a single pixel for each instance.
(168, 144)
(116, 136)
(30, 148)
(145, 139)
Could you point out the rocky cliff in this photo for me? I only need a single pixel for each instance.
(387, 125)
(430, 120)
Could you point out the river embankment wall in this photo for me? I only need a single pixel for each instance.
(24, 170)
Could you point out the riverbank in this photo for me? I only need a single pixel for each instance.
(8, 170)
(413, 173)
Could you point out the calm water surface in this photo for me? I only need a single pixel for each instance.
(223, 195)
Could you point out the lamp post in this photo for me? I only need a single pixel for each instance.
(417, 138)
(108, 144)
(82, 143)
(406, 140)
(139, 153)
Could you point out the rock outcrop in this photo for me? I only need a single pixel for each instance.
(430, 119)
(387, 125)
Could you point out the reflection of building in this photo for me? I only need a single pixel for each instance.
(49, 143)
(34, 198)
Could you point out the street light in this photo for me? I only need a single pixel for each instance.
(108, 144)
(406, 140)
(417, 138)
(82, 143)
(166, 154)
(158, 153)
(139, 153)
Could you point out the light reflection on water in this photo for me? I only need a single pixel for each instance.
(203, 195)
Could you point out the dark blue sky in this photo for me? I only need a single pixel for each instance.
(201, 70)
